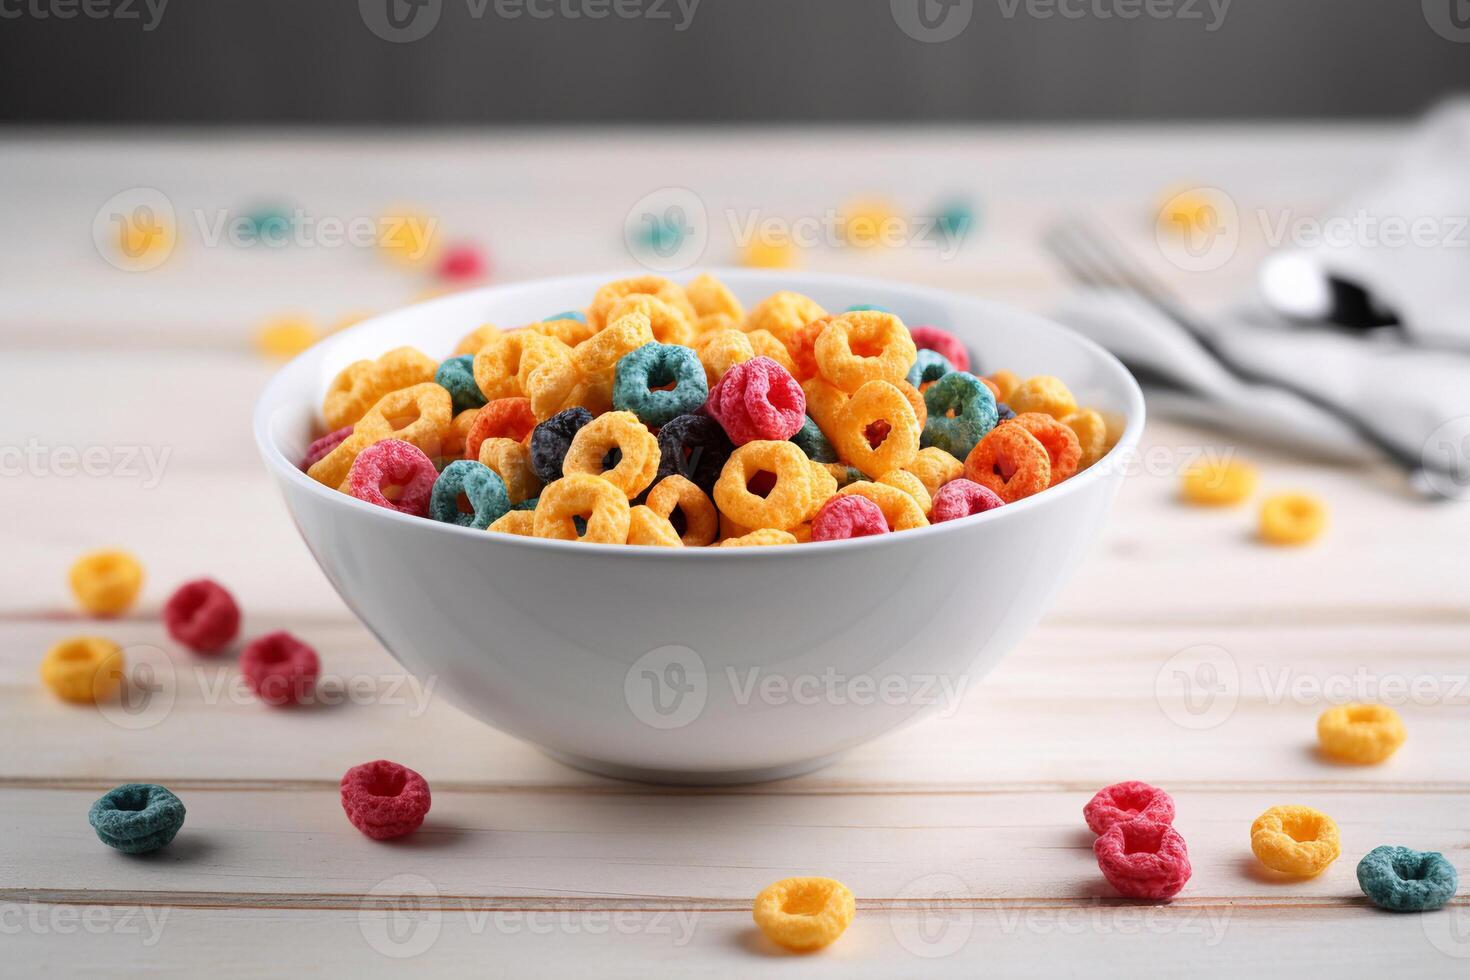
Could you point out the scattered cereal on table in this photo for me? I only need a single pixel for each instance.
(280, 669)
(1402, 879)
(804, 914)
(1292, 519)
(83, 669)
(1143, 858)
(107, 582)
(1295, 840)
(1219, 483)
(385, 800)
(283, 337)
(1362, 733)
(137, 818)
(202, 616)
(1128, 800)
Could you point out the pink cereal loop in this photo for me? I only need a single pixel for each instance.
(393, 462)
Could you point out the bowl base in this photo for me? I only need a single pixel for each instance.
(681, 777)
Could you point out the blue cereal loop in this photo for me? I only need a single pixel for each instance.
(930, 366)
(457, 376)
(641, 374)
(1402, 879)
(136, 818)
(961, 411)
(482, 487)
(867, 308)
(812, 442)
(577, 315)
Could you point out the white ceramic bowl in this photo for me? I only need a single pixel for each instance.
(699, 665)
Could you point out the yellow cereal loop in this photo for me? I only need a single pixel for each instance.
(761, 254)
(283, 337)
(1361, 733)
(1295, 840)
(935, 467)
(710, 297)
(730, 529)
(761, 538)
(621, 431)
(868, 224)
(783, 314)
(497, 365)
(876, 430)
(900, 510)
(824, 403)
(1044, 394)
(650, 528)
(360, 385)
(511, 460)
(864, 346)
(408, 238)
(1005, 383)
(713, 322)
(599, 313)
(603, 506)
(474, 341)
(916, 402)
(83, 669)
(1092, 435)
(1292, 518)
(547, 374)
(804, 914)
(106, 582)
(568, 331)
(676, 498)
(599, 354)
(420, 415)
(521, 523)
(788, 500)
(1218, 483)
(909, 484)
(802, 532)
(824, 488)
(766, 345)
(670, 324)
(722, 350)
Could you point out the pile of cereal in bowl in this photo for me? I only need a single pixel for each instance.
(669, 415)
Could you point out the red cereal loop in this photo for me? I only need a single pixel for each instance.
(848, 516)
(202, 616)
(944, 343)
(758, 400)
(390, 464)
(1143, 859)
(962, 498)
(321, 447)
(503, 418)
(384, 800)
(279, 668)
(1126, 801)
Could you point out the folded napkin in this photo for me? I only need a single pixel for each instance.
(1406, 379)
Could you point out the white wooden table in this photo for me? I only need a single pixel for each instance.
(961, 836)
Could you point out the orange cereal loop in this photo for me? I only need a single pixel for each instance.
(766, 345)
(1360, 733)
(1092, 435)
(1295, 840)
(599, 354)
(824, 488)
(901, 511)
(713, 322)
(1063, 451)
(916, 402)
(876, 430)
(804, 914)
(802, 347)
(603, 506)
(361, 384)
(722, 350)
(783, 314)
(994, 388)
(1292, 518)
(934, 467)
(518, 522)
(682, 502)
(656, 286)
(1011, 462)
(710, 297)
(568, 331)
(650, 528)
(864, 346)
(621, 431)
(1004, 383)
(83, 669)
(783, 502)
(511, 461)
(802, 532)
(731, 529)
(472, 342)
(593, 394)
(762, 537)
(1043, 394)
(824, 402)
(909, 484)
(670, 325)
(497, 365)
(504, 418)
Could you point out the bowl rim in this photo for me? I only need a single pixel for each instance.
(273, 396)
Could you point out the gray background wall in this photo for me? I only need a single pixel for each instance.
(317, 61)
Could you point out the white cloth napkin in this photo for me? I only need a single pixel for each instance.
(1411, 382)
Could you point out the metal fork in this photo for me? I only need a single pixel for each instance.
(1093, 257)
